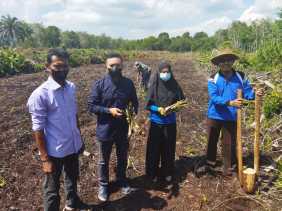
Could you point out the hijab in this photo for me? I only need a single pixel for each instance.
(164, 93)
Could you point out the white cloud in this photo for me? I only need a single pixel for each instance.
(74, 17)
(135, 18)
(261, 10)
(209, 26)
(29, 10)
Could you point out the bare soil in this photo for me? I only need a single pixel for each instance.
(23, 174)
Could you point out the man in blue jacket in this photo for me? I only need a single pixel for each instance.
(223, 103)
(109, 98)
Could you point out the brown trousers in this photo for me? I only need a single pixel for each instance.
(229, 138)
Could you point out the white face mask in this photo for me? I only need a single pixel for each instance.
(165, 76)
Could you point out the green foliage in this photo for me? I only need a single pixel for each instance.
(181, 44)
(243, 63)
(268, 56)
(239, 35)
(273, 103)
(51, 37)
(11, 62)
(70, 39)
(14, 61)
(80, 57)
(202, 42)
(278, 182)
(38, 67)
(12, 30)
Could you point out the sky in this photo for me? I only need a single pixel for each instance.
(134, 19)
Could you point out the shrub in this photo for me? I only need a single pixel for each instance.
(273, 103)
(268, 56)
(11, 62)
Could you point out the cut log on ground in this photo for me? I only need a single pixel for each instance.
(249, 180)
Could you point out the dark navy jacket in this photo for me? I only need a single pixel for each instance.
(104, 95)
(222, 90)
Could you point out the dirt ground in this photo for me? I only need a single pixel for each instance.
(23, 174)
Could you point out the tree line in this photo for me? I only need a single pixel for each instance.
(18, 33)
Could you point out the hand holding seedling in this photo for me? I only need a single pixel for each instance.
(260, 92)
(162, 111)
(116, 112)
(236, 103)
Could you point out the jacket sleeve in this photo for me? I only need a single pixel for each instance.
(214, 95)
(248, 91)
(95, 100)
(153, 108)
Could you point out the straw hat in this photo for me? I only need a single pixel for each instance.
(222, 54)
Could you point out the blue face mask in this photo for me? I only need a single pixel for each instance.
(165, 76)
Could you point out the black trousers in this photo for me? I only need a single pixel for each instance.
(105, 149)
(214, 128)
(51, 183)
(145, 80)
(161, 150)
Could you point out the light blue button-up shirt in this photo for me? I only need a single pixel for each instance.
(53, 109)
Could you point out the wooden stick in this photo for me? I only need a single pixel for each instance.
(257, 131)
(239, 140)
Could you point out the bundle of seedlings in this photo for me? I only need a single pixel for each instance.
(133, 127)
(2, 182)
(177, 106)
(248, 102)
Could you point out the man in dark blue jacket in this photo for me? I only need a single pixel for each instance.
(109, 98)
(223, 103)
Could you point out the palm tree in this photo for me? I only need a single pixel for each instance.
(12, 30)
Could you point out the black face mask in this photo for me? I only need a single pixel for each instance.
(60, 76)
(115, 73)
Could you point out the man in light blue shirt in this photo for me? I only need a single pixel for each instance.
(53, 112)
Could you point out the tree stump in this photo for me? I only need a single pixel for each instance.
(249, 180)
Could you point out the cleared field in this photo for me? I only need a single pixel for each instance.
(23, 173)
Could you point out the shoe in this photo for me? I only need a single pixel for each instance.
(103, 193)
(155, 180)
(126, 189)
(79, 205)
(234, 168)
(205, 169)
(67, 208)
(168, 179)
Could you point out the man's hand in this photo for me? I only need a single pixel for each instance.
(116, 112)
(47, 166)
(260, 92)
(162, 111)
(236, 103)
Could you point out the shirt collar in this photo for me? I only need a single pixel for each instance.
(233, 74)
(52, 84)
(109, 79)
